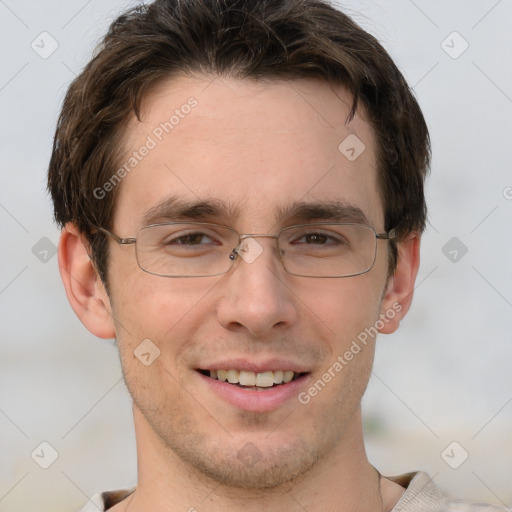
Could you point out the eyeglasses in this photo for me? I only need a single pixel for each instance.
(201, 249)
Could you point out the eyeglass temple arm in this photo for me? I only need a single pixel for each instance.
(391, 235)
(118, 239)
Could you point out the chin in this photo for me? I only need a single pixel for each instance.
(255, 465)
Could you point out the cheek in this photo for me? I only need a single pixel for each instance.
(344, 306)
(163, 310)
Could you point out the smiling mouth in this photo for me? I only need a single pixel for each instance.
(251, 380)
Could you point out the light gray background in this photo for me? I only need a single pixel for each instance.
(445, 376)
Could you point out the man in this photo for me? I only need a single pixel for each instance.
(240, 186)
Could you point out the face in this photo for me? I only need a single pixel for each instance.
(256, 148)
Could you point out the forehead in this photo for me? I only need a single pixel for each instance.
(258, 148)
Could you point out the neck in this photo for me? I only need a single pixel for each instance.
(343, 481)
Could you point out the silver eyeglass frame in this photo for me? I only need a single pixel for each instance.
(235, 252)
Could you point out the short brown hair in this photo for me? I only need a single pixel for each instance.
(281, 39)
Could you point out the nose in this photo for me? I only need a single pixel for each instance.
(256, 296)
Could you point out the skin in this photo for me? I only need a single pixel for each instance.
(258, 146)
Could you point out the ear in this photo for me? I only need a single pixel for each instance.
(84, 289)
(400, 289)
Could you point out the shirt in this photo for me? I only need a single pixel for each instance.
(421, 495)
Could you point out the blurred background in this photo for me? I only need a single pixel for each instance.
(440, 399)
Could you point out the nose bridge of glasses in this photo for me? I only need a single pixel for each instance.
(249, 251)
(255, 235)
(249, 236)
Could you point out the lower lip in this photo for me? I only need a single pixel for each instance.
(252, 400)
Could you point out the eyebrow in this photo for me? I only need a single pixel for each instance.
(176, 208)
(333, 211)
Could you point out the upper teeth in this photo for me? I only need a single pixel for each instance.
(246, 378)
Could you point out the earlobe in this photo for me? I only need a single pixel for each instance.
(398, 297)
(84, 289)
